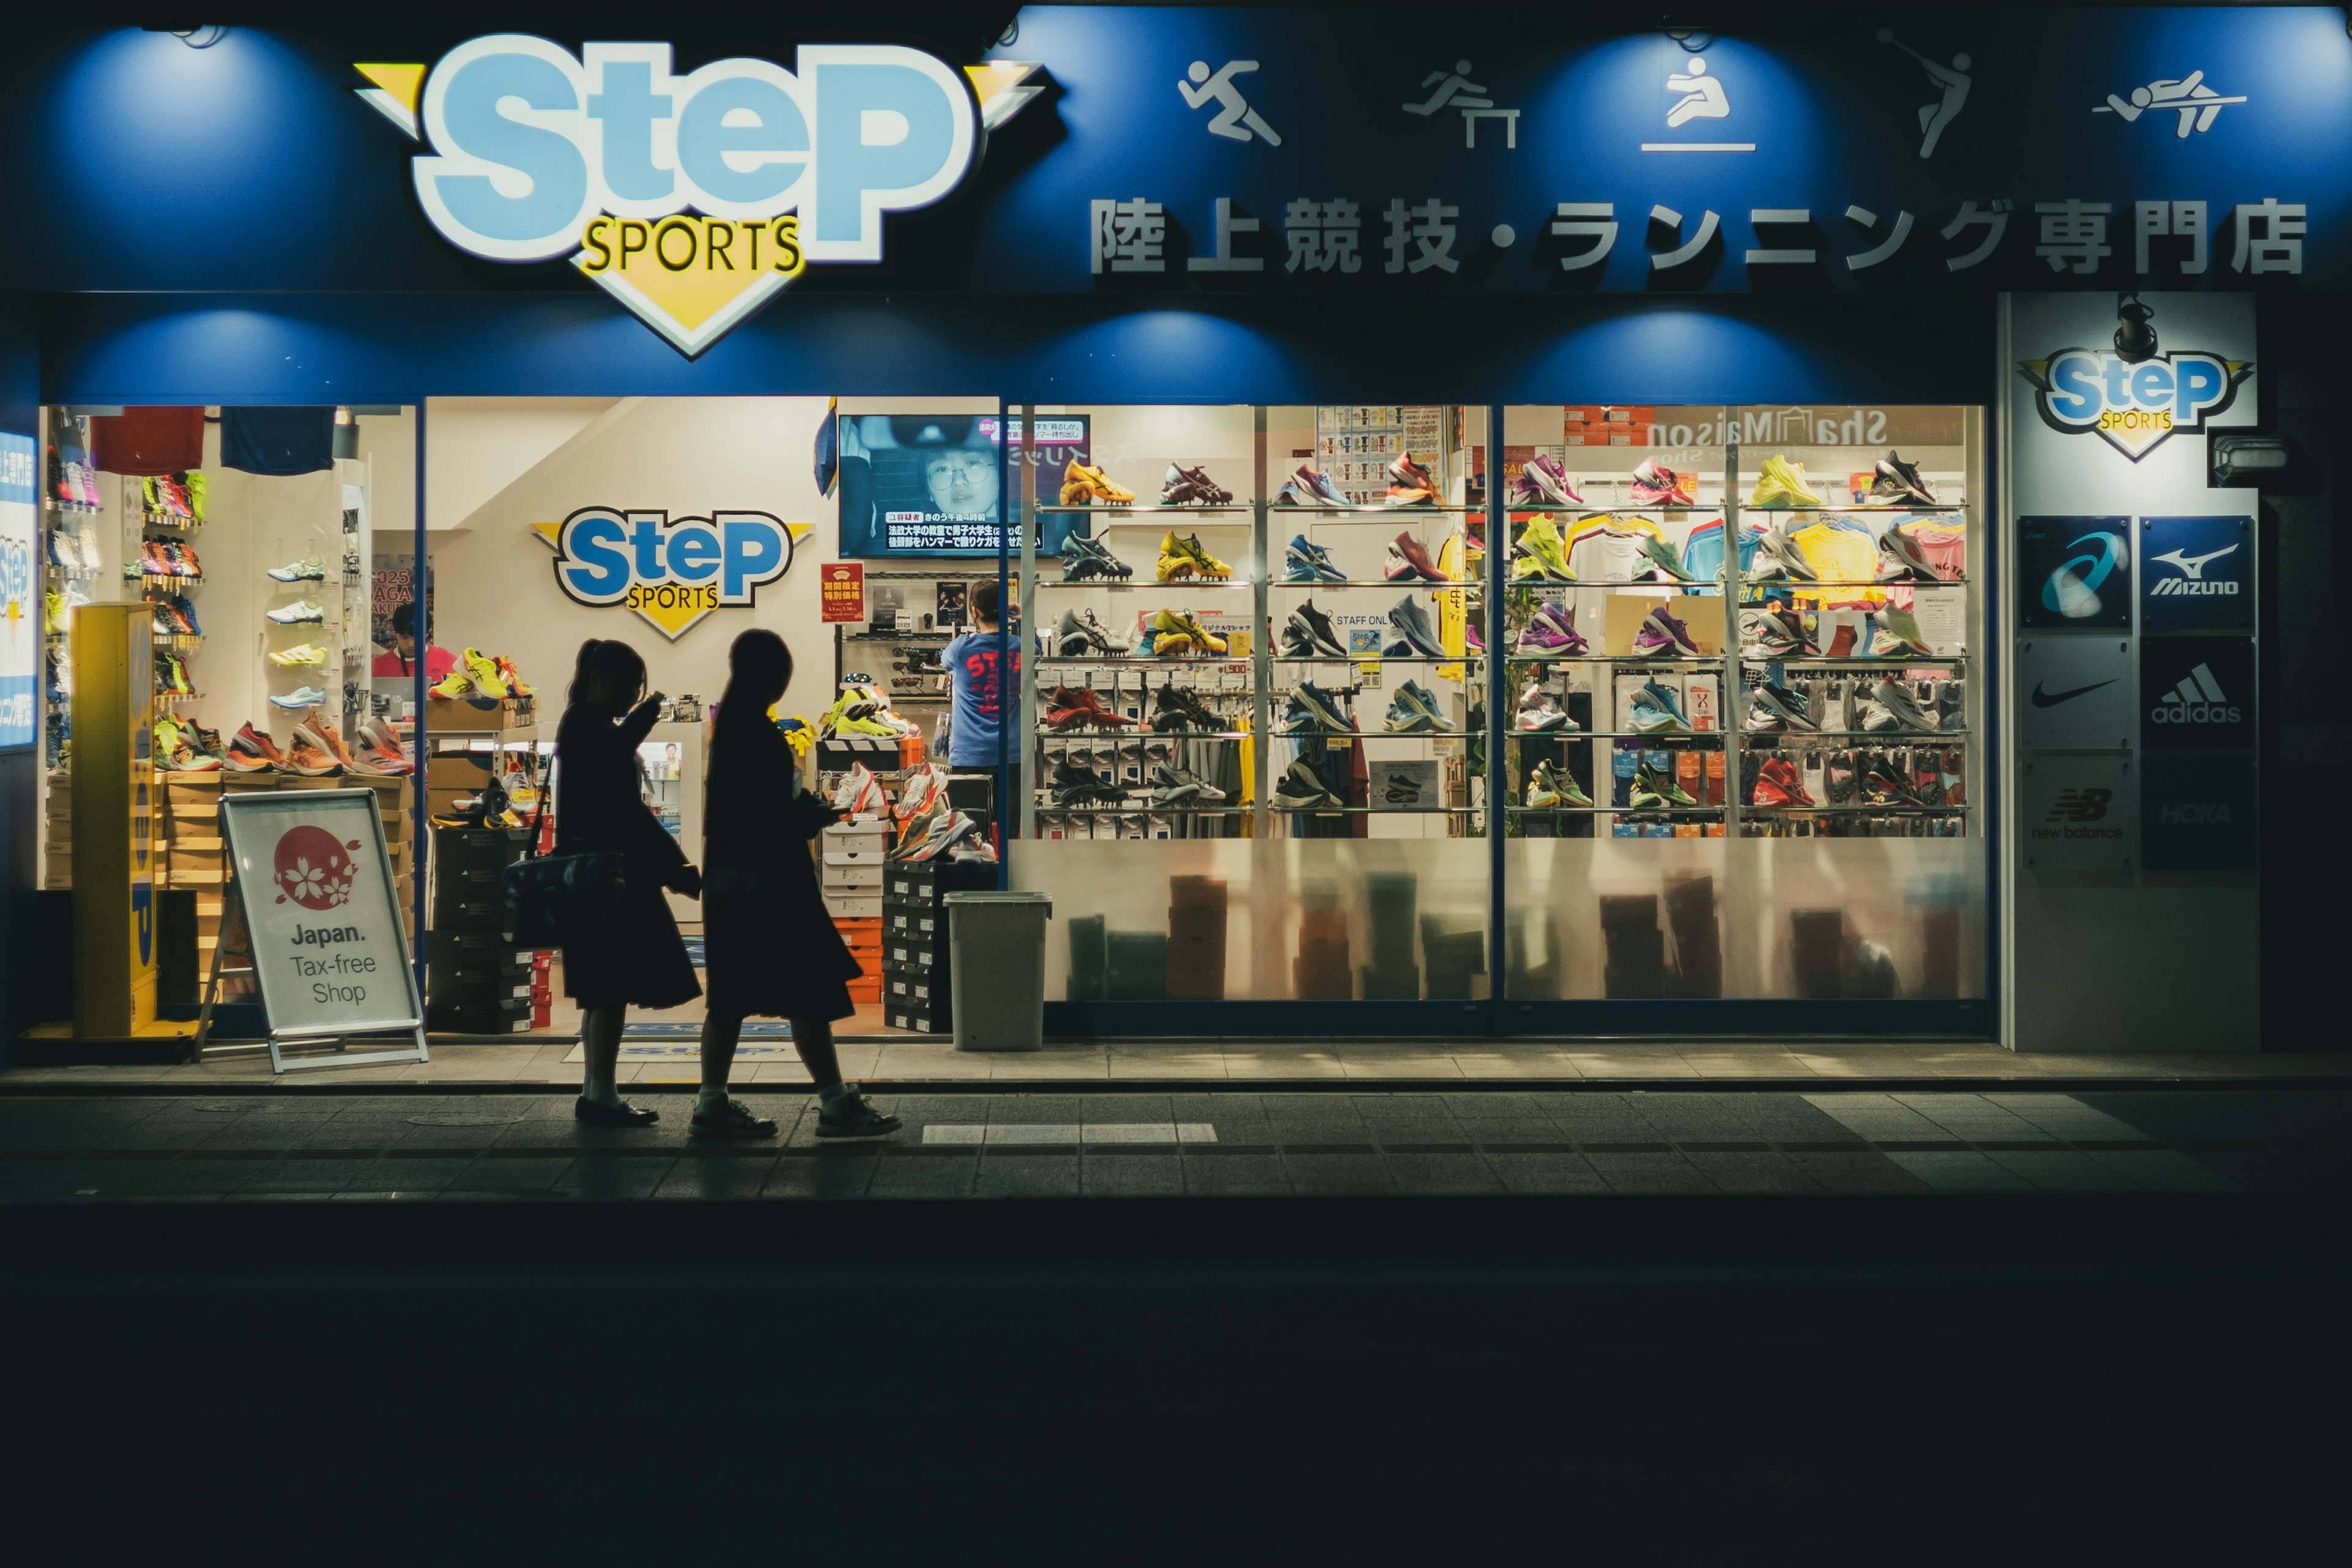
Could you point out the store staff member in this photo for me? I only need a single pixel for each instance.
(401, 662)
(973, 662)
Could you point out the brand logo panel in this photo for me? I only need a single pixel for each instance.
(2196, 814)
(2075, 572)
(2079, 813)
(2196, 573)
(672, 572)
(2197, 694)
(2074, 693)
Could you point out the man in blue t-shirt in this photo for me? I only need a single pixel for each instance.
(980, 685)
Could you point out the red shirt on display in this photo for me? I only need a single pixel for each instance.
(148, 441)
(389, 665)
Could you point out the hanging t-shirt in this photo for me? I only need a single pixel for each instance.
(1945, 545)
(278, 440)
(1703, 550)
(973, 664)
(145, 442)
(1842, 554)
(1607, 549)
(389, 666)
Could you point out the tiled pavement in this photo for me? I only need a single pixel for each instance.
(900, 1061)
(445, 1146)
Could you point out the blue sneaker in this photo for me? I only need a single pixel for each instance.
(1655, 711)
(1305, 562)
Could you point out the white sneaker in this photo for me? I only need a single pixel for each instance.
(300, 697)
(310, 569)
(307, 653)
(301, 612)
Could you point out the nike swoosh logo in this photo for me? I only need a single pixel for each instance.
(2052, 699)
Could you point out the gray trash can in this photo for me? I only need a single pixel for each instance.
(997, 968)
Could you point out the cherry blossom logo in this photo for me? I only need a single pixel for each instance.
(314, 868)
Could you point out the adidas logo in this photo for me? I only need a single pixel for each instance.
(2198, 699)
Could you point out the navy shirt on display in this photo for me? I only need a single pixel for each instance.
(972, 662)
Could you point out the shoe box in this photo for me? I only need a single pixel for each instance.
(1196, 939)
(476, 969)
(851, 867)
(509, 1016)
(915, 966)
(864, 940)
(469, 876)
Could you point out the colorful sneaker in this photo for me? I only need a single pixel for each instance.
(249, 751)
(1895, 698)
(1308, 562)
(1083, 486)
(324, 735)
(1662, 635)
(1777, 783)
(1084, 557)
(1192, 487)
(860, 794)
(1773, 708)
(1655, 711)
(302, 612)
(1176, 626)
(1549, 631)
(1313, 711)
(309, 569)
(1538, 714)
(1898, 483)
(513, 681)
(307, 761)
(1183, 558)
(1654, 484)
(1770, 633)
(1176, 786)
(1901, 561)
(1411, 623)
(484, 670)
(1665, 566)
(184, 610)
(1540, 556)
(302, 653)
(1895, 635)
(1301, 790)
(1407, 561)
(456, 683)
(1780, 485)
(1308, 634)
(1657, 792)
(1410, 484)
(1543, 483)
(1778, 558)
(1551, 789)
(1413, 712)
(301, 697)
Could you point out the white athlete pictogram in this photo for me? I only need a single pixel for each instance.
(1702, 98)
(1235, 120)
(2197, 105)
(1952, 81)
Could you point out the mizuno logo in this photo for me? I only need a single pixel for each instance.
(2193, 564)
(2198, 699)
(2052, 699)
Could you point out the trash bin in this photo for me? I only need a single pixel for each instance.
(996, 960)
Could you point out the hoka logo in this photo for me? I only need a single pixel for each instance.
(2133, 408)
(2080, 805)
(2196, 813)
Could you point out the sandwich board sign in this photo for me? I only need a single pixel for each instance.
(314, 889)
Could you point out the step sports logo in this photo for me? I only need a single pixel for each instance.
(692, 199)
(673, 571)
(2134, 406)
(2198, 699)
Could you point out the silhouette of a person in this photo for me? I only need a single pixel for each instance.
(1457, 90)
(1703, 95)
(1952, 81)
(1235, 119)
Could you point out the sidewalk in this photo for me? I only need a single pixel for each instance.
(1256, 1064)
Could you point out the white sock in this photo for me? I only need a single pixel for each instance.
(599, 1091)
(709, 1098)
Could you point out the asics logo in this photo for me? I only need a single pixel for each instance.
(2052, 699)
(2080, 805)
(2072, 586)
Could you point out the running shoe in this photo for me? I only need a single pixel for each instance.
(1174, 712)
(307, 761)
(1899, 482)
(1838, 780)
(1184, 558)
(947, 829)
(1654, 484)
(1538, 714)
(1665, 564)
(1882, 786)
(324, 735)
(250, 751)
(1777, 783)
(309, 569)
(1084, 557)
(1777, 557)
(1313, 711)
(1472, 638)
(1540, 556)
(1769, 632)
(484, 670)
(860, 794)
(513, 680)
(1407, 560)
(1073, 785)
(1900, 560)
(1662, 634)
(184, 610)
(302, 612)
(304, 653)
(1308, 562)
(1310, 486)
(1401, 789)
(1656, 792)
(1772, 708)
(1413, 712)
(1655, 711)
(1410, 484)
(1951, 704)
(1549, 631)
(1781, 485)
(1543, 483)
(1175, 786)
(1105, 716)
(1174, 627)
(301, 697)
(1083, 486)
(1411, 623)
(1895, 698)
(1192, 487)
(1894, 633)
(1310, 633)
(1551, 789)
(1301, 790)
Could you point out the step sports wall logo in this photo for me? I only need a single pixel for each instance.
(2133, 405)
(691, 199)
(673, 571)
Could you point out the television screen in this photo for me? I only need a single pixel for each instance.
(932, 484)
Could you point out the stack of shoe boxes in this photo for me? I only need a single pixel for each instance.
(1454, 948)
(56, 853)
(1634, 948)
(195, 856)
(1196, 939)
(915, 953)
(1392, 975)
(478, 979)
(1322, 971)
(453, 778)
(1698, 943)
(850, 871)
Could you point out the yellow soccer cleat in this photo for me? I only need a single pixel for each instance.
(1176, 624)
(1781, 485)
(485, 671)
(1182, 557)
(307, 653)
(1083, 486)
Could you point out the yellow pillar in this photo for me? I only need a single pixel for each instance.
(114, 820)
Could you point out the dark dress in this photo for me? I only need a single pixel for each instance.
(770, 946)
(639, 961)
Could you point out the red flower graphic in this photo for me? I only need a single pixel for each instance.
(313, 870)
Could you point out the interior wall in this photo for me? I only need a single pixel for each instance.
(488, 443)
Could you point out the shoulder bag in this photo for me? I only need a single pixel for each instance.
(556, 895)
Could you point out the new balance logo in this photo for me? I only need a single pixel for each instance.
(2198, 699)
(2191, 582)
(2080, 805)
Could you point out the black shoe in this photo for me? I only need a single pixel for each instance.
(621, 1115)
(733, 1119)
(851, 1117)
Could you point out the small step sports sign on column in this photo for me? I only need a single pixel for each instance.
(315, 889)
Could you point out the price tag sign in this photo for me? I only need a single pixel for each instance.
(840, 592)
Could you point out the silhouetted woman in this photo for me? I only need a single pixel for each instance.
(770, 946)
(638, 959)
